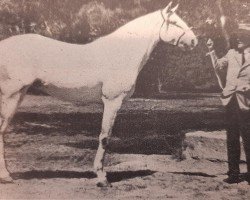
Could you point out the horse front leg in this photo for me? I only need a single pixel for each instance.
(111, 106)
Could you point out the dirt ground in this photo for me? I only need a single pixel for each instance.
(51, 147)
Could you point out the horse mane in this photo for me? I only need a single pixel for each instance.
(136, 26)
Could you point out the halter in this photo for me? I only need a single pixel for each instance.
(169, 22)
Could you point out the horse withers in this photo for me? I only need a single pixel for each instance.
(102, 71)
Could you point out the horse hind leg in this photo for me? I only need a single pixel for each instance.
(110, 111)
(9, 104)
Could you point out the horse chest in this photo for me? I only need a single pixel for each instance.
(80, 96)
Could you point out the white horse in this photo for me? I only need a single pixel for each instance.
(102, 71)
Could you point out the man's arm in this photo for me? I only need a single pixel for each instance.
(219, 65)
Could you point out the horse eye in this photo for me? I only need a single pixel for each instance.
(172, 41)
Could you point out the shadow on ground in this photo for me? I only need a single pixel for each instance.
(111, 176)
(195, 174)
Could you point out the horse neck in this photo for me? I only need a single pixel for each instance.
(143, 32)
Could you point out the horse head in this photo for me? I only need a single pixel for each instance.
(175, 31)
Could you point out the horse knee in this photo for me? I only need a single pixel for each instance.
(105, 142)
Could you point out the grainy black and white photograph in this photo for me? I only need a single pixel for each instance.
(125, 99)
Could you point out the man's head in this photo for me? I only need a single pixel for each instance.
(239, 40)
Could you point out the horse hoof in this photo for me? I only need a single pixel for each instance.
(6, 180)
(103, 184)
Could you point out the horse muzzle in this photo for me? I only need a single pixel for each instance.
(187, 46)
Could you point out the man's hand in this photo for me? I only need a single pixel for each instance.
(210, 44)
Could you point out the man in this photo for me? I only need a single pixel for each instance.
(233, 73)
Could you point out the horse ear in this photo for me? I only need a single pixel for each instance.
(175, 8)
(168, 8)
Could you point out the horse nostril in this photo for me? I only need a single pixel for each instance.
(192, 42)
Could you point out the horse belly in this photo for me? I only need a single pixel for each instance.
(79, 96)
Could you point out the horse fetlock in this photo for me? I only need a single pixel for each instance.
(103, 184)
(102, 179)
